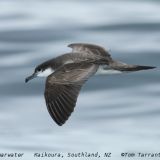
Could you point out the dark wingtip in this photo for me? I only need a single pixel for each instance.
(60, 124)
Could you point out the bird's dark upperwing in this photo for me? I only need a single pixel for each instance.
(90, 49)
(63, 87)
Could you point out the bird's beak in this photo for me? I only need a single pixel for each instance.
(34, 75)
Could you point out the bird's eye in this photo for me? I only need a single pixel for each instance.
(38, 69)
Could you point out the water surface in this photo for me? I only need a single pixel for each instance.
(118, 113)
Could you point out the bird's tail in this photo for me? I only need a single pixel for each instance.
(117, 65)
(136, 68)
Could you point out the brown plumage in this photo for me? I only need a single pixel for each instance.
(67, 74)
(63, 87)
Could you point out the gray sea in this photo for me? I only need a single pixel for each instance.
(114, 114)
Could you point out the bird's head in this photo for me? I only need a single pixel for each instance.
(40, 71)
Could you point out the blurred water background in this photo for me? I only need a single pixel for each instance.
(117, 113)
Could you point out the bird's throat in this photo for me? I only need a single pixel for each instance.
(45, 73)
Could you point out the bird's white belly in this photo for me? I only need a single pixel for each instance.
(102, 71)
(69, 61)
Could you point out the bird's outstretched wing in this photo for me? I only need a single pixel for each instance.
(90, 49)
(63, 87)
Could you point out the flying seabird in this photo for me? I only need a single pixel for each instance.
(67, 73)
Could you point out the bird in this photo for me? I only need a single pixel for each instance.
(67, 73)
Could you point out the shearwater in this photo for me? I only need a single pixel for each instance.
(67, 73)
